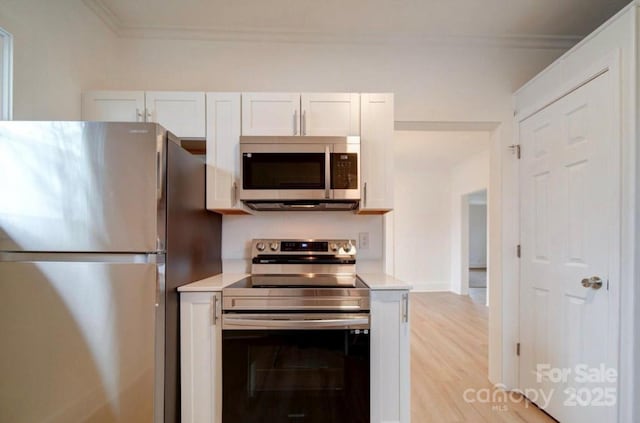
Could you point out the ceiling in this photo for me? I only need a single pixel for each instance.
(355, 19)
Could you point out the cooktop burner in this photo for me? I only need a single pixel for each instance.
(299, 281)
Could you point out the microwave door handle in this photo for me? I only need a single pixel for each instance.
(327, 172)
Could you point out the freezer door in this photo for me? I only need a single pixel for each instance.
(82, 186)
(78, 342)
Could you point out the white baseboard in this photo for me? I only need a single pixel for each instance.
(431, 287)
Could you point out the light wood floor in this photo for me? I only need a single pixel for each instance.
(449, 356)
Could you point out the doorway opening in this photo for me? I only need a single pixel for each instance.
(477, 279)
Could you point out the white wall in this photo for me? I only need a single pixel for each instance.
(430, 83)
(60, 47)
(477, 235)
(467, 177)
(238, 231)
(424, 178)
(421, 226)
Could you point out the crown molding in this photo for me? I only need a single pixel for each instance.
(123, 30)
(103, 12)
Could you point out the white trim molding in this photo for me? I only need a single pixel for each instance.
(6, 63)
(125, 30)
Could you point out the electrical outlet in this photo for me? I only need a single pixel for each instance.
(363, 240)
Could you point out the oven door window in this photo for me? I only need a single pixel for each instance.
(282, 171)
(295, 376)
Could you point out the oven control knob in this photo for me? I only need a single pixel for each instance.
(333, 246)
(260, 246)
(273, 246)
(347, 247)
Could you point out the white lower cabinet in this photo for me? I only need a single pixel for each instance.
(200, 357)
(390, 382)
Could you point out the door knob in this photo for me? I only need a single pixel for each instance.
(592, 282)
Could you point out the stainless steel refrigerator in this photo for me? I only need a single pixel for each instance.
(99, 224)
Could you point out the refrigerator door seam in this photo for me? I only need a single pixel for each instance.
(142, 258)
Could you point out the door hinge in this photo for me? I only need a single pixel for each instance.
(517, 150)
(518, 349)
(518, 251)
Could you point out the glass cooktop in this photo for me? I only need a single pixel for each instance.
(300, 281)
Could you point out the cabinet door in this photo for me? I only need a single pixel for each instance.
(271, 114)
(181, 112)
(376, 146)
(330, 114)
(200, 357)
(113, 106)
(223, 152)
(390, 383)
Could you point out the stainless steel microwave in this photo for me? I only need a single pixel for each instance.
(305, 172)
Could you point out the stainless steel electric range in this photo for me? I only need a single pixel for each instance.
(295, 335)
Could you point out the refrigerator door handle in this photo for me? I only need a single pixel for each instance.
(159, 174)
(160, 281)
(157, 286)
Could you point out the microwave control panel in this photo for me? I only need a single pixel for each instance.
(344, 171)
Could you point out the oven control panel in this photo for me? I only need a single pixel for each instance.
(303, 247)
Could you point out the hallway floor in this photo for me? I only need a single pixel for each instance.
(449, 358)
(478, 295)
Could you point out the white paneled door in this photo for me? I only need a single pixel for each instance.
(570, 209)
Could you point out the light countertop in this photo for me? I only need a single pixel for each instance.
(213, 283)
(376, 281)
(382, 281)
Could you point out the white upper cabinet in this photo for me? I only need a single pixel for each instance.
(182, 113)
(271, 114)
(113, 106)
(223, 153)
(330, 114)
(376, 153)
(286, 114)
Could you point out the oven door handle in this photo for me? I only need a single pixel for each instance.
(235, 322)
